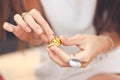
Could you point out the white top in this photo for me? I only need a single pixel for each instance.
(70, 17)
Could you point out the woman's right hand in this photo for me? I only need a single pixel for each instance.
(31, 27)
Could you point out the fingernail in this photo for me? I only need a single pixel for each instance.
(10, 29)
(51, 37)
(39, 31)
(28, 29)
(51, 48)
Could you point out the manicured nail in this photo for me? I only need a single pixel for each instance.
(52, 47)
(28, 29)
(10, 29)
(51, 37)
(39, 31)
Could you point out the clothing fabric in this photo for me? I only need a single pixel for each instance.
(70, 17)
(104, 63)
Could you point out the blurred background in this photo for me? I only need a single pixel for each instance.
(16, 64)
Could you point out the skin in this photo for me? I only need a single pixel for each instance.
(105, 76)
(85, 44)
(33, 28)
(30, 28)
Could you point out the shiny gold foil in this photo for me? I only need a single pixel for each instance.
(54, 42)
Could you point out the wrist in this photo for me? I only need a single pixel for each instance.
(108, 43)
(111, 42)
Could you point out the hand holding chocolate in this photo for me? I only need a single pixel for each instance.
(54, 42)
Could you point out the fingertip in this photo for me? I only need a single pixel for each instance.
(61, 38)
(7, 27)
(64, 40)
(16, 16)
(4, 27)
(5, 24)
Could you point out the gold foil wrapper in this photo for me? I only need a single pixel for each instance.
(54, 42)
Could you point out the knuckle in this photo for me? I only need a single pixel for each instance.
(87, 59)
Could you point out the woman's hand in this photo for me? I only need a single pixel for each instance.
(31, 27)
(89, 47)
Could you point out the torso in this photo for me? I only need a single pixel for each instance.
(70, 17)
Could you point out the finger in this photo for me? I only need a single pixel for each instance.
(18, 19)
(42, 36)
(75, 40)
(12, 28)
(55, 58)
(63, 56)
(84, 59)
(40, 20)
(83, 56)
(33, 25)
(16, 30)
(81, 47)
(8, 27)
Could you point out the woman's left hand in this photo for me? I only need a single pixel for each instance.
(89, 47)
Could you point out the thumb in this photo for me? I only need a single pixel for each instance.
(75, 40)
